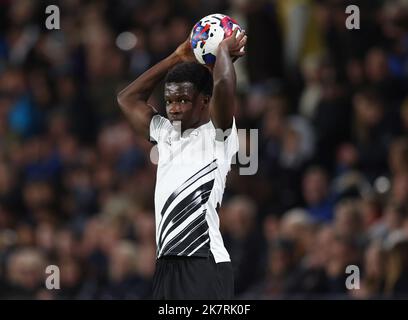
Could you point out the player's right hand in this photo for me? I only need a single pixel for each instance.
(185, 52)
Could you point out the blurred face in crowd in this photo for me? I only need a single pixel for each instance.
(395, 15)
(393, 217)
(355, 71)
(25, 235)
(65, 243)
(26, 268)
(271, 227)
(274, 123)
(91, 236)
(347, 155)
(321, 248)
(342, 253)
(13, 81)
(398, 156)
(185, 104)
(396, 264)
(311, 69)
(400, 188)
(37, 194)
(111, 236)
(368, 110)
(159, 39)
(280, 261)
(291, 142)
(70, 273)
(123, 261)
(373, 261)
(370, 212)
(376, 66)
(239, 217)
(146, 261)
(178, 30)
(347, 219)
(45, 236)
(256, 104)
(297, 226)
(315, 187)
(145, 227)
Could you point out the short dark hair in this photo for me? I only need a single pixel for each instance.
(192, 72)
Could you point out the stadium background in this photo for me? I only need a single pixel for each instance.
(331, 106)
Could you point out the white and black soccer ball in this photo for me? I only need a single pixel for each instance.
(207, 35)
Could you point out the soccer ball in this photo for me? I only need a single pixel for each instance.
(207, 35)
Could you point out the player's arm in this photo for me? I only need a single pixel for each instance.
(133, 99)
(222, 105)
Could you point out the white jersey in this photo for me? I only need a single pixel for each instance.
(191, 175)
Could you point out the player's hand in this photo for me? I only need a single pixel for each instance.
(185, 52)
(234, 44)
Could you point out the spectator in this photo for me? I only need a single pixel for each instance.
(316, 193)
(25, 273)
(243, 242)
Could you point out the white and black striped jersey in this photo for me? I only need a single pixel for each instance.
(191, 175)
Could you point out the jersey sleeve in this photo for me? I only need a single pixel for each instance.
(157, 127)
(232, 141)
(227, 143)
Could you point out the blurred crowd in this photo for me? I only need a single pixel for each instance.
(331, 106)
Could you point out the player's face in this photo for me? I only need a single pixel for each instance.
(184, 104)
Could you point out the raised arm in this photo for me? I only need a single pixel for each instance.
(222, 105)
(133, 99)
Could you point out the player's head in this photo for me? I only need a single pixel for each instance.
(187, 92)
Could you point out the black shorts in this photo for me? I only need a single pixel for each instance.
(192, 278)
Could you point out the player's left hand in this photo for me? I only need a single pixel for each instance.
(235, 44)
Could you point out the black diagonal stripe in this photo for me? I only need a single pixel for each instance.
(184, 248)
(197, 220)
(193, 196)
(196, 204)
(177, 246)
(184, 186)
(178, 219)
(193, 231)
(191, 244)
(189, 226)
(200, 220)
(204, 198)
(192, 224)
(204, 250)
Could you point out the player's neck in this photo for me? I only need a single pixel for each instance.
(196, 125)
